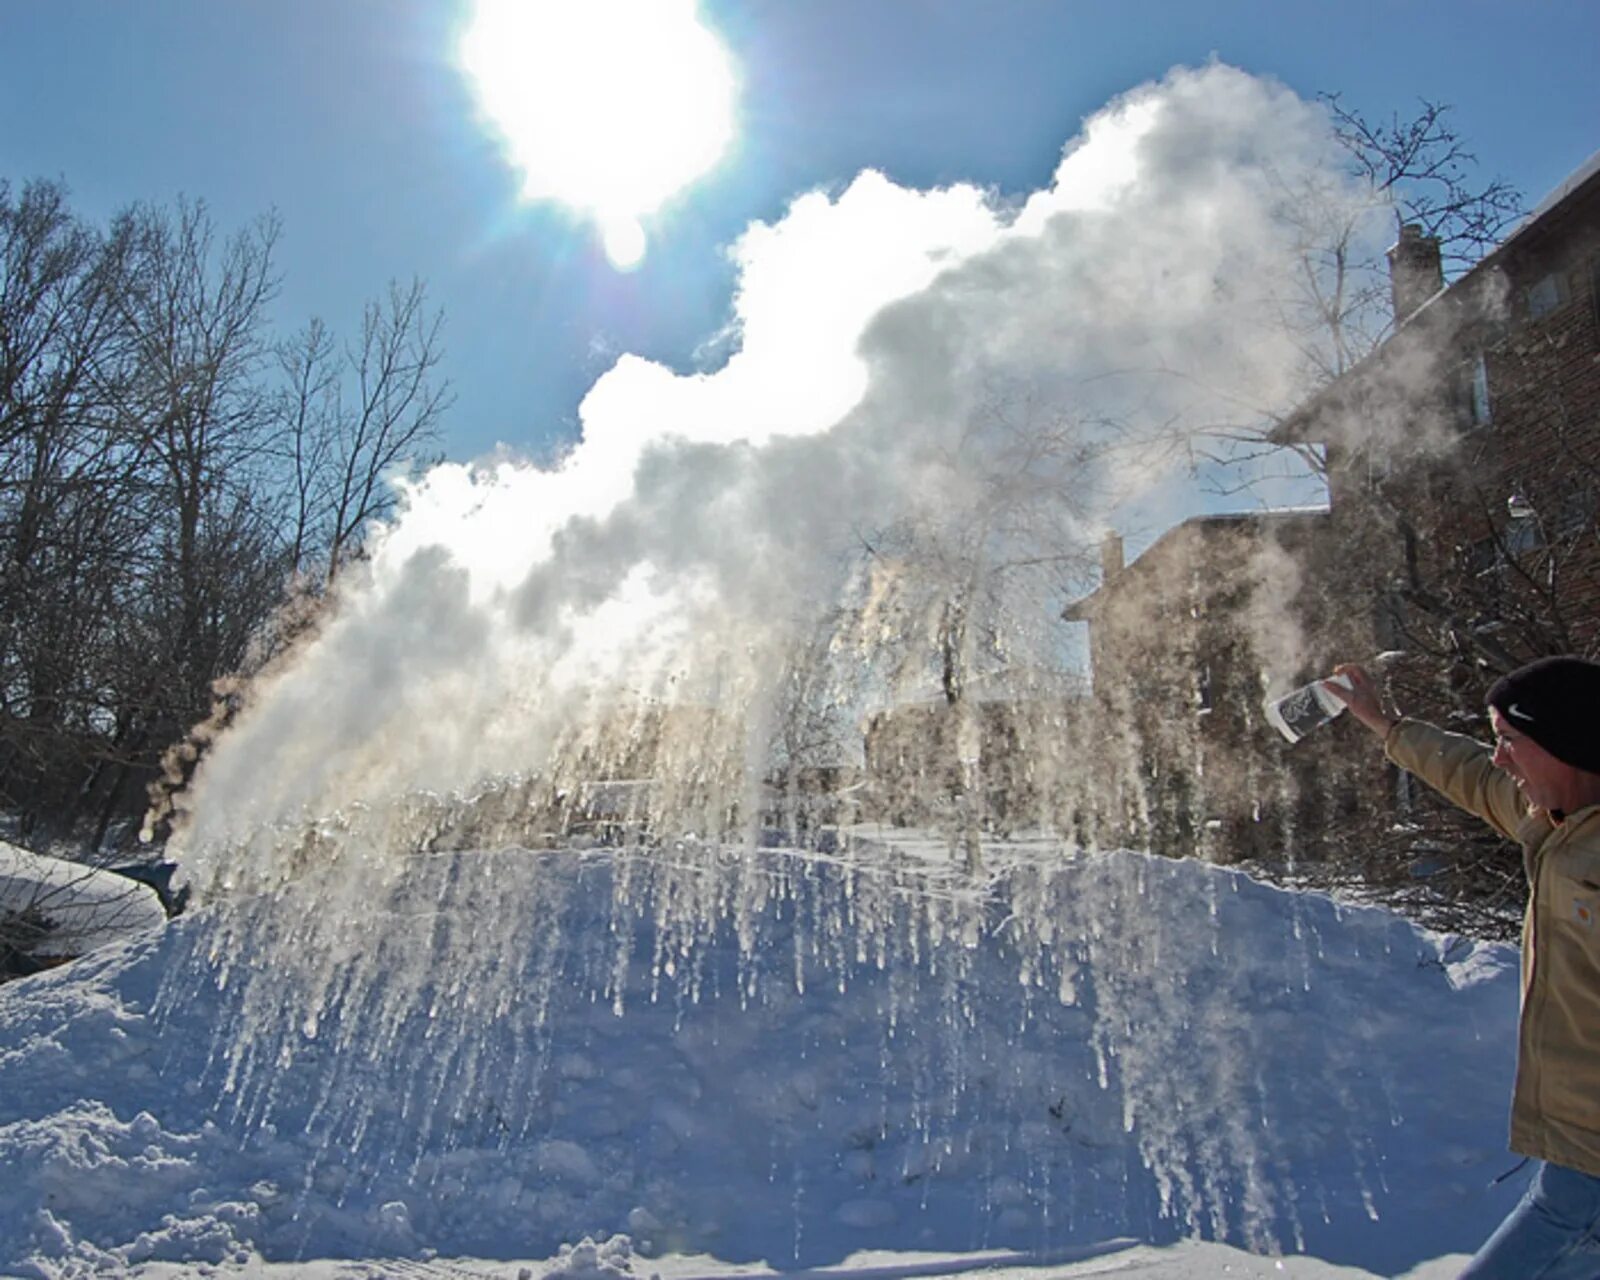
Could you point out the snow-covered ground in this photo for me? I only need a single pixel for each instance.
(71, 908)
(863, 1065)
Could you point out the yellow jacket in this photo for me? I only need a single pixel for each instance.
(1555, 1104)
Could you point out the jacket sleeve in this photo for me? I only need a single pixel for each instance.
(1460, 769)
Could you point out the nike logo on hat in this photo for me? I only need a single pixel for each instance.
(1514, 710)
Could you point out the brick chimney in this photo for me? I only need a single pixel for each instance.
(1110, 556)
(1416, 271)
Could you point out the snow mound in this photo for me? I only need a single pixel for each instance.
(71, 908)
(774, 1056)
(610, 1260)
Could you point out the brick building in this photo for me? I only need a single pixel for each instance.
(1462, 460)
(1018, 743)
(1186, 643)
(1463, 455)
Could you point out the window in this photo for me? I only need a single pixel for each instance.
(1546, 294)
(1523, 536)
(1482, 558)
(1574, 513)
(1594, 293)
(1405, 796)
(1485, 562)
(1481, 409)
(1388, 625)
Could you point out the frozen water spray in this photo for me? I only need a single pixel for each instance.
(612, 679)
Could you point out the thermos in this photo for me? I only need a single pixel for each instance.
(1300, 711)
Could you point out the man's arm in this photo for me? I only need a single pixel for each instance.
(1455, 766)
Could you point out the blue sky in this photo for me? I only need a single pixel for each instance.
(353, 122)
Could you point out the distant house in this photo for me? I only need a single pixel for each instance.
(1018, 744)
(1185, 644)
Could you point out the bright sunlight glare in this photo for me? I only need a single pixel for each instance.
(610, 106)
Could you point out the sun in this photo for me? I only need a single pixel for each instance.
(610, 106)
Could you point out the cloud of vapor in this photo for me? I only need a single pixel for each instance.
(903, 358)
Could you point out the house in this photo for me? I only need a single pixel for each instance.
(1462, 460)
(1463, 455)
(1010, 755)
(1185, 644)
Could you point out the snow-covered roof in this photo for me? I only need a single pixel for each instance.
(1250, 522)
(1569, 185)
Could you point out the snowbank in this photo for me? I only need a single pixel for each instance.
(842, 1054)
(74, 908)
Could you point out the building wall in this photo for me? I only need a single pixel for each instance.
(1187, 643)
(1026, 758)
(1492, 391)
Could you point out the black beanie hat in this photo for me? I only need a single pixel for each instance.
(1556, 702)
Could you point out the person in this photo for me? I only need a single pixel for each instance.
(1540, 786)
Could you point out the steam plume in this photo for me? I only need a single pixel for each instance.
(897, 353)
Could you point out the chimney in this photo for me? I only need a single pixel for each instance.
(1110, 556)
(1416, 271)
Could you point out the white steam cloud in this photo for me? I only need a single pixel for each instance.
(893, 348)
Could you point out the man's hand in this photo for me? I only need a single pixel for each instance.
(1361, 697)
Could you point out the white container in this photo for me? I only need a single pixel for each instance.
(1298, 712)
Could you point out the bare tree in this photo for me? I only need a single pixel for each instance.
(353, 418)
(344, 422)
(398, 402)
(197, 309)
(1417, 171)
(307, 408)
(1406, 171)
(68, 485)
(1422, 169)
(166, 472)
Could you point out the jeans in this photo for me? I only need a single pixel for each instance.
(1552, 1234)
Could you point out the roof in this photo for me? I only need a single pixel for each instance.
(1253, 523)
(1581, 183)
(1569, 187)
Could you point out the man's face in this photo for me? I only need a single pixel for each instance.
(1541, 776)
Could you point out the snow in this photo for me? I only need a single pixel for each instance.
(79, 907)
(863, 1065)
